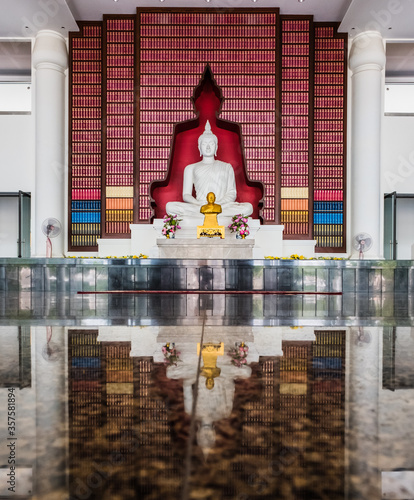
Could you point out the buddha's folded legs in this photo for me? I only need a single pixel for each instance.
(183, 209)
(191, 210)
(231, 209)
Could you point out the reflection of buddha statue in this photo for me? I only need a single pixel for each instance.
(208, 176)
(215, 391)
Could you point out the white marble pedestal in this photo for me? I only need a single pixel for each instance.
(205, 248)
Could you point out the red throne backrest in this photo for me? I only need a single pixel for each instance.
(207, 101)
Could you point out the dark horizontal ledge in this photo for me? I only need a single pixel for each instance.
(209, 292)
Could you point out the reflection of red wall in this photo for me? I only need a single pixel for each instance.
(184, 151)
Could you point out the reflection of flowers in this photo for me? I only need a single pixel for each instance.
(238, 354)
(171, 355)
(295, 256)
(239, 224)
(171, 224)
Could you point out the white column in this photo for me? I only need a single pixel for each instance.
(50, 376)
(366, 61)
(50, 61)
(363, 473)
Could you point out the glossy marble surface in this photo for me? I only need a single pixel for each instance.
(96, 275)
(220, 308)
(323, 408)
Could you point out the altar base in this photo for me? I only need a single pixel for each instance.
(263, 241)
(205, 248)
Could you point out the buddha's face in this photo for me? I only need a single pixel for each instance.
(210, 383)
(206, 436)
(208, 146)
(211, 198)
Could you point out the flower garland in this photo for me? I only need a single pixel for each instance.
(140, 256)
(238, 354)
(171, 224)
(171, 355)
(295, 256)
(239, 224)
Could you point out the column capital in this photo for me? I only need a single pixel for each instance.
(50, 51)
(367, 52)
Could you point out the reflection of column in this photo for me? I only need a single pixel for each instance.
(367, 60)
(51, 419)
(50, 62)
(364, 478)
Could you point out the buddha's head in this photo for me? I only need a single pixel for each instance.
(206, 437)
(207, 142)
(211, 198)
(209, 383)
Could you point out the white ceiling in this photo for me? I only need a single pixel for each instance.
(392, 18)
(323, 10)
(23, 18)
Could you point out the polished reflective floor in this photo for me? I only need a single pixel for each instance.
(206, 396)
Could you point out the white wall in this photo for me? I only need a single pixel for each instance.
(9, 227)
(17, 153)
(17, 172)
(398, 175)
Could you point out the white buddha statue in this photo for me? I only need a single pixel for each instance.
(208, 176)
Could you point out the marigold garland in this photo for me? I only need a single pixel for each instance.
(301, 257)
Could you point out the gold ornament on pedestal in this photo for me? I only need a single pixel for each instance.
(210, 227)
